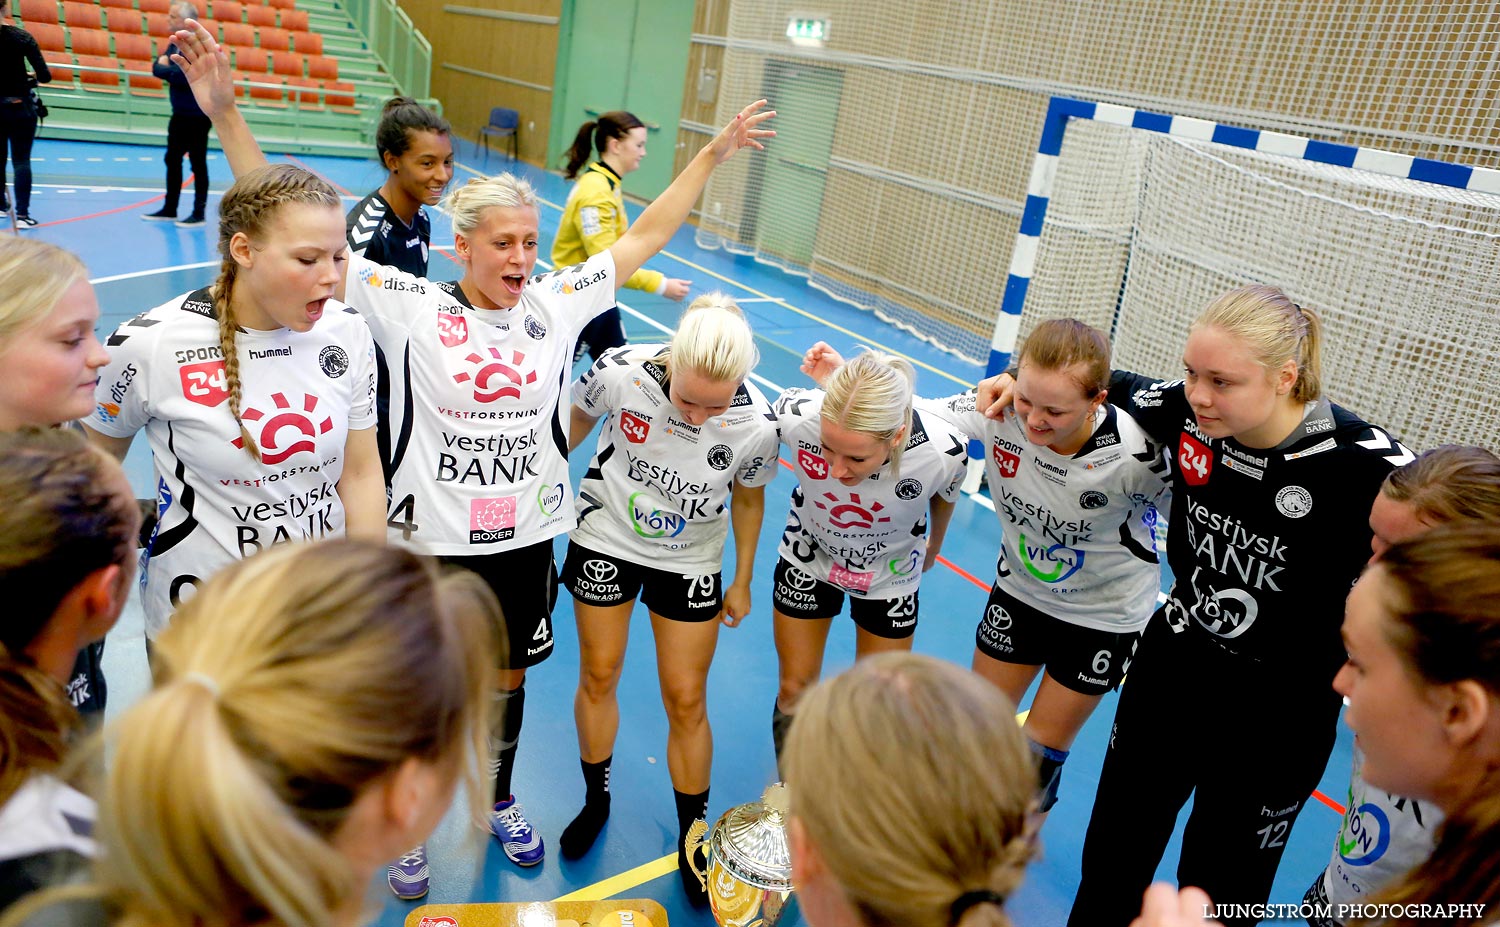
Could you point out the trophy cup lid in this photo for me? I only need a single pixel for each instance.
(749, 840)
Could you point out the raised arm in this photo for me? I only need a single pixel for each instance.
(821, 362)
(206, 66)
(665, 215)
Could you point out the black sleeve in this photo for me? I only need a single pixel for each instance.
(38, 63)
(1159, 406)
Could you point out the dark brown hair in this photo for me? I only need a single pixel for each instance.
(594, 136)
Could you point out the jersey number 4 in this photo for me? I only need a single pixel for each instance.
(406, 510)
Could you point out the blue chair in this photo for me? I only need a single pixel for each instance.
(504, 123)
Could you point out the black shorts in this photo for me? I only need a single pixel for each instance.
(799, 595)
(1083, 659)
(525, 582)
(604, 580)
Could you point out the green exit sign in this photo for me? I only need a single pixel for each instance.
(803, 29)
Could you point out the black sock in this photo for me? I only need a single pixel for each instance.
(505, 734)
(691, 808)
(781, 722)
(580, 835)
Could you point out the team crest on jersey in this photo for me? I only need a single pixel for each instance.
(275, 425)
(635, 427)
(453, 330)
(720, 457)
(811, 464)
(334, 360)
(1009, 464)
(908, 489)
(497, 376)
(1093, 499)
(535, 328)
(852, 580)
(1194, 459)
(492, 520)
(852, 513)
(1293, 501)
(204, 383)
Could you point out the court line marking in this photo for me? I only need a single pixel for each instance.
(765, 297)
(156, 270)
(625, 881)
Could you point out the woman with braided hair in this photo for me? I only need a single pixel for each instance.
(903, 730)
(256, 394)
(67, 535)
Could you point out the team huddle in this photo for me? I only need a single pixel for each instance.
(319, 391)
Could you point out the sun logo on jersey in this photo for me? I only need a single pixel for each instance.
(284, 417)
(497, 376)
(851, 514)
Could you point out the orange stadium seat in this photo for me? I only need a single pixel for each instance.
(295, 20)
(275, 94)
(142, 81)
(82, 15)
(49, 36)
(106, 80)
(288, 63)
(155, 6)
(238, 34)
(89, 42)
(308, 43)
(118, 4)
(127, 21)
(135, 47)
(308, 97)
(157, 25)
(283, 4)
(60, 63)
(345, 98)
(38, 11)
(260, 16)
(273, 39)
(228, 11)
(322, 68)
(253, 60)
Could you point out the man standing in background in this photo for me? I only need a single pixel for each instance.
(187, 131)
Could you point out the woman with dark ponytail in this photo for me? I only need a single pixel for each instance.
(67, 534)
(389, 226)
(594, 216)
(257, 394)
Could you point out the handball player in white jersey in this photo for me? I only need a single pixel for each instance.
(876, 483)
(687, 448)
(475, 442)
(1075, 482)
(256, 394)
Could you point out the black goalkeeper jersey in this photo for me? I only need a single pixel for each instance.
(1264, 543)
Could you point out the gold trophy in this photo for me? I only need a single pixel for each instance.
(749, 864)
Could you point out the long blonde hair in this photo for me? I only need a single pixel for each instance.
(871, 394)
(467, 204)
(36, 276)
(61, 521)
(1275, 329)
(289, 683)
(903, 730)
(712, 340)
(249, 206)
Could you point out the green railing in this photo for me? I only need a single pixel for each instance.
(405, 52)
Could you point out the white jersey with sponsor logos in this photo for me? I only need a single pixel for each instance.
(302, 392)
(1078, 532)
(657, 490)
(475, 441)
(869, 540)
(1383, 837)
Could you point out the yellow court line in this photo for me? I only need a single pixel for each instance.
(780, 302)
(626, 880)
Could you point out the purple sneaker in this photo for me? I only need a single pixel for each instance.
(408, 876)
(522, 844)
